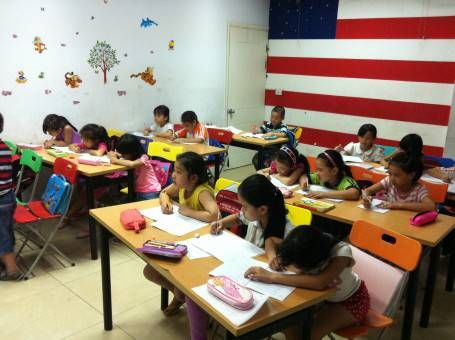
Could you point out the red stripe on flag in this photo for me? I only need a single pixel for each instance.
(442, 27)
(422, 71)
(330, 139)
(362, 107)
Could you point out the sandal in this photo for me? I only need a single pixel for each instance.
(15, 276)
(173, 307)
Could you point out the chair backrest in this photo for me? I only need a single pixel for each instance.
(222, 136)
(164, 150)
(66, 168)
(32, 160)
(362, 174)
(312, 162)
(298, 216)
(12, 146)
(223, 183)
(115, 132)
(388, 150)
(298, 133)
(178, 127)
(436, 191)
(385, 282)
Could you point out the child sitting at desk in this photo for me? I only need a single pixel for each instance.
(264, 213)
(196, 199)
(161, 126)
(94, 140)
(411, 144)
(193, 131)
(365, 148)
(289, 167)
(321, 262)
(62, 131)
(402, 189)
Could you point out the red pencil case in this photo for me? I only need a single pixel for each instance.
(423, 218)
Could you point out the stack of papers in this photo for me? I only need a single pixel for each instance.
(253, 135)
(193, 251)
(175, 223)
(380, 169)
(374, 206)
(429, 178)
(276, 182)
(236, 270)
(67, 150)
(353, 159)
(320, 188)
(95, 160)
(362, 165)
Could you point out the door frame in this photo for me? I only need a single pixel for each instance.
(228, 42)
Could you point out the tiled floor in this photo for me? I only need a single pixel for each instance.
(66, 303)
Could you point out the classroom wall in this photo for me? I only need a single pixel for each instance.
(337, 64)
(191, 76)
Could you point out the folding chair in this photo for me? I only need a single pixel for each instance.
(115, 133)
(385, 282)
(29, 161)
(312, 162)
(223, 183)
(366, 177)
(35, 212)
(224, 137)
(298, 215)
(164, 151)
(436, 191)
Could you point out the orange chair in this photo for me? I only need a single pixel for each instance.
(385, 293)
(437, 191)
(362, 174)
(312, 161)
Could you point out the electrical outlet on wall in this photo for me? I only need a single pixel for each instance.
(278, 92)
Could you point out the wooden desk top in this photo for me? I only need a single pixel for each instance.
(258, 141)
(187, 274)
(84, 169)
(395, 220)
(199, 148)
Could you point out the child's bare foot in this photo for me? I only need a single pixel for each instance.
(173, 307)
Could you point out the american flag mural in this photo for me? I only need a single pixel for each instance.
(343, 63)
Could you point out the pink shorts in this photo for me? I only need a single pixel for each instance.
(359, 303)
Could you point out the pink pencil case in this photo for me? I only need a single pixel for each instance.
(423, 218)
(166, 249)
(231, 292)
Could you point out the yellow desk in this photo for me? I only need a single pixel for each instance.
(187, 274)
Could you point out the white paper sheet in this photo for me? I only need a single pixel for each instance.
(236, 270)
(141, 134)
(234, 130)
(451, 188)
(227, 246)
(361, 165)
(193, 251)
(234, 315)
(380, 169)
(30, 146)
(353, 159)
(66, 149)
(314, 187)
(374, 206)
(101, 159)
(276, 182)
(175, 224)
(253, 135)
(429, 178)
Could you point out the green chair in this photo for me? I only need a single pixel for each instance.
(12, 146)
(29, 160)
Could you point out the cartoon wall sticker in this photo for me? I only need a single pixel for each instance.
(7, 93)
(39, 45)
(14, 36)
(41, 75)
(72, 80)
(171, 45)
(103, 57)
(75, 102)
(42, 9)
(151, 52)
(47, 91)
(92, 18)
(146, 76)
(21, 78)
(116, 78)
(148, 23)
(121, 93)
(63, 44)
(77, 33)
(125, 55)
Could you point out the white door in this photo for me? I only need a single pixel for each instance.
(247, 56)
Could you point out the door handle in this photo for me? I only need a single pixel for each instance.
(230, 112)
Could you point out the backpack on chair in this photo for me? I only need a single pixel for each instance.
(56, 195)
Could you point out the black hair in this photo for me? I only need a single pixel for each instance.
(1, 123)
(306, 247)
(412, 144)
(282, 156)
(161, 110)
(332, 159)
(279, 109)
(95, 133)
(257, 190)
(189, 117)
(365, 128)
(53, 122)
(194, 165)
(408, 163)
(129, 145)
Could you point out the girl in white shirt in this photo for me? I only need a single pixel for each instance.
(321, 262)
(365, 148)
(161, 126)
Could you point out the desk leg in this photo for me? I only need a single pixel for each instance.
(451, 268)
(307, 323)
(91, 221)
(429, 287)
(164, 298)
(261, 159)
(106, 279)
(411, 294)
(131, 193)
(217, 166)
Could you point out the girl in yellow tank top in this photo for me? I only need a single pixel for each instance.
(196, 200)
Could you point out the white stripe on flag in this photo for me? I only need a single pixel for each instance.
(376, 49)
(417, 92)
(388, 129)
(358, 9)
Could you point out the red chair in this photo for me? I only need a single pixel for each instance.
(312, 162)
(223, 137)
(436, 191)
(30, 215)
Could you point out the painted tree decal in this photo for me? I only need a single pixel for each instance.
(103, 57)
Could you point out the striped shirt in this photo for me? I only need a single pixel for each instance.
(415, 195)
(6, 169)
(199, 131)
(280, 128)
